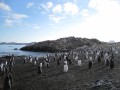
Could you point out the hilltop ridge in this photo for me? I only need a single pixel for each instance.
(60, 45)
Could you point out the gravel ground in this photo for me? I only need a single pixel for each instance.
(25, 76)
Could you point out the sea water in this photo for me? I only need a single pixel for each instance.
(10, 49)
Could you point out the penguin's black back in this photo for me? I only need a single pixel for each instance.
(39, 72)
(107, 62)
(99, 59)
(90, 64)
(6, 83)
(111, 64)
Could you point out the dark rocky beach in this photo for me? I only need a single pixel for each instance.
(99, 77)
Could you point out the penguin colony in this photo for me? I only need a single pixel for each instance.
(98, 54)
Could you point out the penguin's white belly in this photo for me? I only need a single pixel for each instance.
(65, 68)
(79, 63)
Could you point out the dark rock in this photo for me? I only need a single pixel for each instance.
(61, 45)
(103, 85)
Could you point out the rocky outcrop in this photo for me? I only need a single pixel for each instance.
(60, 45)
(103, 85)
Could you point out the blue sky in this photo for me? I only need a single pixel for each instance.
(39, 20)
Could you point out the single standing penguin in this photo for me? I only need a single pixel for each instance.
(116, 52)
(31, 60)
(39, 70)
(47, 64)
(90, 64)
(101, 54)
(79, 63)
(35, 62)
(112, 56)
(76, 58)
(106, 58)
(99, 58)
(111, 64)
(11, 78)
(1, 68)
(58, 62)
(86, 55)
(65, 67)
(8, 82)
(40, 65)
(25, 60)
(6, 68)
(69, 60)
(107, 62)
(6, 63)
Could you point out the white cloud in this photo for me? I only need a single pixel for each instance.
(84, 12)
(71, 8)
(61, 11)
(47, 6)
(4, 7)
(30, 4)
(93, 3)
(9, 22)
(36, 27)
(56, 18)
(66, 8)
(19, 16)
(104, 24)
(11, 17)
(57, 9)
(14, 18)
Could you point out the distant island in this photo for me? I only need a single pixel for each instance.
(61, 45)
(13, 43)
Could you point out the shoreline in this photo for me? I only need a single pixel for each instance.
(26, 77)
